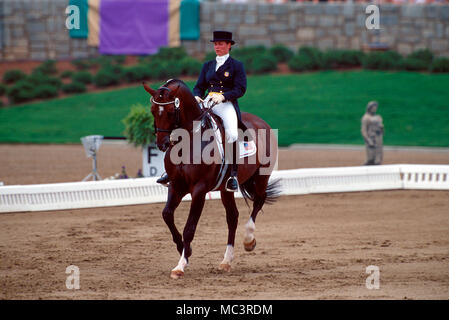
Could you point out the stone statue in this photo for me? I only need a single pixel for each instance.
(372, 132)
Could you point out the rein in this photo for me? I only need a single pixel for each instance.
(205, 111)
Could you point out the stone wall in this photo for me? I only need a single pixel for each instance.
(326, 25)
(35, 29)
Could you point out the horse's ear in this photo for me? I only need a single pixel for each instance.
(148, 89)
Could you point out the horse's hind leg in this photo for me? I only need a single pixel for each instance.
(259, 184)
(232, 217)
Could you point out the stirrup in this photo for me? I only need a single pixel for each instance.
(231, 188)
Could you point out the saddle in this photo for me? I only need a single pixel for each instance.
(247, 146)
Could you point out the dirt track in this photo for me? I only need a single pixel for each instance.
(309, 247)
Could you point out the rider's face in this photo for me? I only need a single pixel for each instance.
(222, 47)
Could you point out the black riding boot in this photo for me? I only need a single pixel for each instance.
(164, 180)
(232, 184)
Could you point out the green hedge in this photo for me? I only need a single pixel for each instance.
(440, 65)
(21, 91)
(12, 76)
(175, 62)
(281, 53)
(135, 73)
(334, 58)
(36, 85)
(308, 58)
(66, 74)
(74, 87)
(82, 76)
(48, 67)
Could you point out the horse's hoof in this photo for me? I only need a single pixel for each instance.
(225, 267)
(250, 245)
(176, 274)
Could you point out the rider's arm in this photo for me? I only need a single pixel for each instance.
(201, 84)
(239, 84)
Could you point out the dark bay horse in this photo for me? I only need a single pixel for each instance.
(174, 108)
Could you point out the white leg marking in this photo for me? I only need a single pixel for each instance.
(225, 265)
(229, 255)
(181, 264)
(250, 228)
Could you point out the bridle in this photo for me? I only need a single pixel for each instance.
(176, 103)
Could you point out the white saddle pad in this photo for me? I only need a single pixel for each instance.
(247, 148)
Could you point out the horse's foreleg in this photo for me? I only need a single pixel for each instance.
(232, 216)
(173, 200)
(198, 198)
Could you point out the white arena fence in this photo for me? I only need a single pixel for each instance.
(76, 195)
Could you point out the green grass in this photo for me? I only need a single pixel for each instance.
(322, 107)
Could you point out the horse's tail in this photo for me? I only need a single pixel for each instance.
(272, 191)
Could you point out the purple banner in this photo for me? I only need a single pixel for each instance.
(133, 26)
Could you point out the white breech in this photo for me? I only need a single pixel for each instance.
(227, 113)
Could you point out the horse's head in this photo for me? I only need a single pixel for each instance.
(165, 109)
(166, 103)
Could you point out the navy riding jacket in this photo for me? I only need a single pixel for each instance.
(229, 80)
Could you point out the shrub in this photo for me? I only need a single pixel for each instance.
(81, 64)
(135, 73)
(388, 60)
(155, 70)
(171, 70)
(335, 58)
(106, 77)
(12, 76)
(422, 54)
(413, 64)
(440, 65)
(2, 89)
(119, 59)
(66, 74)
(210, 56)
(74, 87)
(264, 63)
(170, 54)
(164, 69)
(21, 91)
(48, 67)
(190, 66)
(139, 126)
(281, 53)
(45, 91)
(308, 58)
(247, 54)
(38, 78)
(82, 76)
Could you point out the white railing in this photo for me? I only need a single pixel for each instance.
(74, 195)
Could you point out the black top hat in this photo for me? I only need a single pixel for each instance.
(223, 36)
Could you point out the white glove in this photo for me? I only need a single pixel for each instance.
(218, 98)
(198, 99)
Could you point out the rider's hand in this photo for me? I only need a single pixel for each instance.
(198, 99)
(218, 98)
